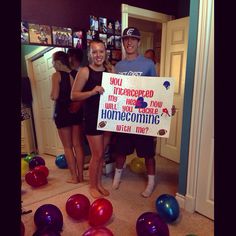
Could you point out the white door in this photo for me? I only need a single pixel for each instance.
(175, 66)
(42, 70)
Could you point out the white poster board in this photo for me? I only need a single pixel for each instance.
(136, 104)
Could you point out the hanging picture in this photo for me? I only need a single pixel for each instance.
(117, 42)
(40, 34)
(79, 39)
(110, 26)
(93, 22)
(102, 25)
(117, 27)
(116, 55)
(110, 41)
(62, 36)
(103, 37)
(108, 55)
(24, 32)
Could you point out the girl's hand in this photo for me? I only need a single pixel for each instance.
(97, 90)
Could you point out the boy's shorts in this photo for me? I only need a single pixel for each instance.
(125, 144)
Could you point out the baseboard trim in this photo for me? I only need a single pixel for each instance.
(186, 202)
(181, 200)
(190, 204)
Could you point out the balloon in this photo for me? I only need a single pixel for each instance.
(61, 161)
(50, 216)
(98, 231)
(36, 161)
(167, 207)
(46, 231)
(151, 224)
(77, 206)
(100, 212)
(22, 229)
(24, 167)
(29, 157)
(42, 168)
(36, 178)
(137, 165)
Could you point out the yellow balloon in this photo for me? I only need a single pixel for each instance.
(137, 165)
(24, 167)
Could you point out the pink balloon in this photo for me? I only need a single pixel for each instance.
(77, 206)
(98, 231)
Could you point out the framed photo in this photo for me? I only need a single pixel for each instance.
(40, 34)
(116, 55)
(110, 41)
(103, 37)
(24, 32)
(102, 25)
(110, 26)
(93, 23)
(117, 42)
(62, 36)
(79, 39)
(108, 55)
(117, 27)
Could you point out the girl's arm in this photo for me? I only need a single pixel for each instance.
(56, 78)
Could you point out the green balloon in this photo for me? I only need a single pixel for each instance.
(29, 157)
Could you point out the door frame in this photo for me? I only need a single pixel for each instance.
(203, 43)
(187, 200)
(38, 52)
(143, 14)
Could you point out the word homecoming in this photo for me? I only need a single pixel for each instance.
(130, 117)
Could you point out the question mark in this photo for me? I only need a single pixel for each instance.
(147, 129)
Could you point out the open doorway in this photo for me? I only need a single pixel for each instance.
(169, 39)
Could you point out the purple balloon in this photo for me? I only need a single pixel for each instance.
(50, 216)
(98, 231)
(46, 232)
(36, 161)
(151, 224)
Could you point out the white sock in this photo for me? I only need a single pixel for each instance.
(150, 186)
(116, 179)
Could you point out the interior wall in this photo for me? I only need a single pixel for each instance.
(75, 13)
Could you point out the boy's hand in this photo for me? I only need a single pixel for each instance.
(173, 110)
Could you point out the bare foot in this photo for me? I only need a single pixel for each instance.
(103, 191)
(95, 193)
(72, 181)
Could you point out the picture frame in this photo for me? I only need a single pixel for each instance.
(62, 36)
(24, 32)
(79, 38)
(40, 34)
(102, 22)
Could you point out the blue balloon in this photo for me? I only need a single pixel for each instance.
(48, 216)
(167, 207)
(61, 161)
(151, 224)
